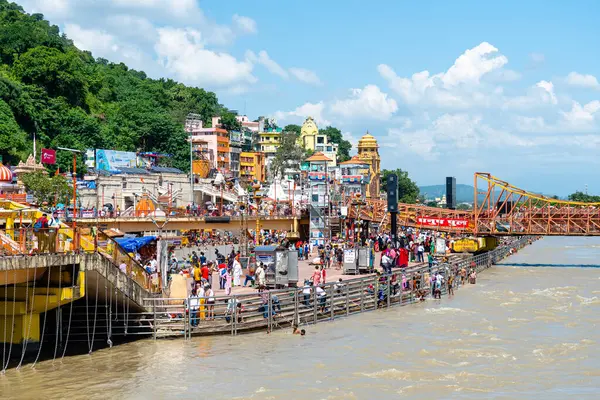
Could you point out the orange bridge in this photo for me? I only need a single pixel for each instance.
(498, 209)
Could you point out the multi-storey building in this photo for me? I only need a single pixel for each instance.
(214, 143)
(310, 139)
(354, 177)
(235, 142)
(252, 166)
(269, 142)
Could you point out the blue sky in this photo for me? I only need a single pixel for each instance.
(448, 88)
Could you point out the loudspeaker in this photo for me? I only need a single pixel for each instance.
(451, 193)
(392, 193)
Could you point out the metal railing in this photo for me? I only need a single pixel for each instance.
(24, 241)
(296, 306)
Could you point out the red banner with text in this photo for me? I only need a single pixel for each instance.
(445, 222)
(48, 156)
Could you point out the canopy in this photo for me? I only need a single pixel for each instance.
(132, 245)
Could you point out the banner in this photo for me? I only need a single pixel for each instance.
(445, 222)
(112, 160)
(48, 156)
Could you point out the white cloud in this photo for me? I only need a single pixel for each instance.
(182, 52)
(298, 115)
(473, 64)
(178, 8)
(103, 44)
(540, 95)
(582, 117)
(549, 89)
(244, 24)
(455, 88)
(305, 75)
(50, 8)
(369, 102)
(588, 81)
(266, 61)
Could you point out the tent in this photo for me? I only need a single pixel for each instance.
(132, 245)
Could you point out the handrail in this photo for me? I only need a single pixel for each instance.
(276, 308)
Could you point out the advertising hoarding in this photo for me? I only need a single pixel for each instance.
(113, 160)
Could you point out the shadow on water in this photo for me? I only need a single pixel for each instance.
(546, 265)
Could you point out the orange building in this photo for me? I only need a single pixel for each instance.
(252, 166)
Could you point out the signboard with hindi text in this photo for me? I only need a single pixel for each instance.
(443, 222)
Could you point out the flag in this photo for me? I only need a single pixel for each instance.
(48, 156)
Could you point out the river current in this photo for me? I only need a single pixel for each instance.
(527, 329)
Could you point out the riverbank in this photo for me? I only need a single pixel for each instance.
(243, 312)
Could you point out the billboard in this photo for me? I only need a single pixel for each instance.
(112, 160)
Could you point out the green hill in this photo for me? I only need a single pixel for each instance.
(69, 99)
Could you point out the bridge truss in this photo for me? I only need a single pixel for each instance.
(499, 209)
(502, 209)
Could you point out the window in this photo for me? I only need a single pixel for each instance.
(328, 148)
(320, 140)
(319, 148)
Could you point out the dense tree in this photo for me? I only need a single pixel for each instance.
(334, 135)
(229, 122)
(293, 128)
(288, 155)
(408, 191)
(48, 190)
(584, 197)
(64, 96)
(12, 139)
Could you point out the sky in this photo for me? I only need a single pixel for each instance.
(448, 88)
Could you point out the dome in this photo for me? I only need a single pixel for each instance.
(368, 141)
(309, 127)
(6, 174)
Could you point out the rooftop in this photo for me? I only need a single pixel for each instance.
(318, 157)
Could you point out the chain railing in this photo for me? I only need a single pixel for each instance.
(274, 309)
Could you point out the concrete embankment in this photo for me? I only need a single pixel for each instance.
(297, 306)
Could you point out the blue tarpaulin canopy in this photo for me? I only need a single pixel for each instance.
(131, 245)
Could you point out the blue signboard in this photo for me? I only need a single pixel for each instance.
(112, 160)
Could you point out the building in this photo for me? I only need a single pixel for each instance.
(252, 166)
(310, 139)
(368, 151)
(308, 134)
(214, 144)
(235, 145)
(167, 187)
(269, 142)
(329, 150)
(355, 175)
(319, 198)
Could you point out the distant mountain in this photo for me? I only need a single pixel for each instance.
(464, 193)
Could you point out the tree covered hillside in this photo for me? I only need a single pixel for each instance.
(69, 99)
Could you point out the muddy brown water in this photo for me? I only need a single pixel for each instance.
(527, 329)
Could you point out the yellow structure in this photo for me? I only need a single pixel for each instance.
(368, 151)
(308, 134)
(270, 141)
(252, 166)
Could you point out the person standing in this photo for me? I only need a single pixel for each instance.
(237, 271)
(40, 229)
(53, 225)
(260, 277)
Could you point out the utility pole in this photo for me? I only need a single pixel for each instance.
(192, 121)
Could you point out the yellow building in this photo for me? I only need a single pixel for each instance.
(368, 151)
(269, 141)
(252, 166)
(308, 134)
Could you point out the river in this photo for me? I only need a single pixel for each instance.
(527, 328)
